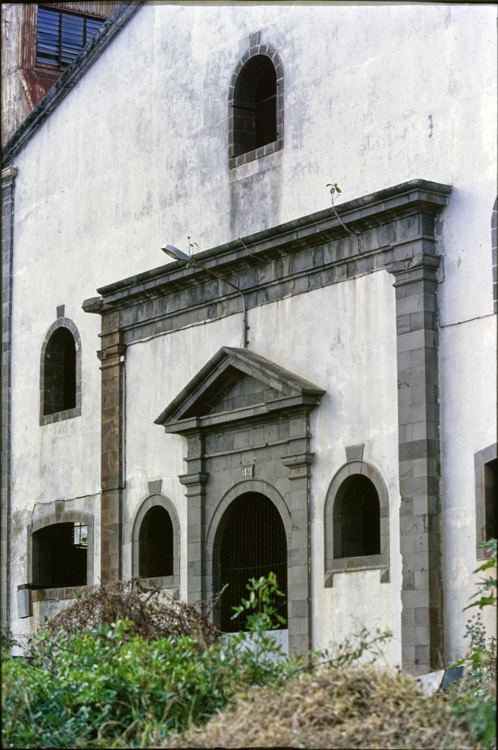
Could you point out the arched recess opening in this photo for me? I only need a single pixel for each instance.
(357, 518)
(155, 544)
(60, 555)
(252, 543)
(255, 105)
(60, 549)
(60, 372)
(356, 522)
(155, 541)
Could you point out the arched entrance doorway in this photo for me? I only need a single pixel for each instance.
(252, 544)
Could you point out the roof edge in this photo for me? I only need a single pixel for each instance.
(68, 80)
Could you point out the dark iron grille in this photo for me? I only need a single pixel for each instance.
(255, 105)
(253, 545)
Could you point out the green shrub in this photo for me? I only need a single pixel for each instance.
(103, 687)
(110, 687)
(474, 697)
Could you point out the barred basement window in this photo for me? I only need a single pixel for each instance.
(356, 518)
(60, 555)
(155, 544)
(59, 372)
(61, 36)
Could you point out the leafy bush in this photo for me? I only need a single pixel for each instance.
(111, 687)
(475, 695)
(107, 687)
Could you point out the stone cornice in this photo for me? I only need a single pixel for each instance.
(367, 212)
(68, 80)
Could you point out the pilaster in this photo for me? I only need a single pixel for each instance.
(112, 357)
(8, 185)
(195, 494)
(299, 552)
(419, 461)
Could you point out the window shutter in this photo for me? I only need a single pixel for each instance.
(47, 49)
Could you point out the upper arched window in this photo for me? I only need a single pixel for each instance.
(256, 106)
(61, 372)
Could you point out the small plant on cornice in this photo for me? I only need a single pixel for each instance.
(191, 245)
(334, 188)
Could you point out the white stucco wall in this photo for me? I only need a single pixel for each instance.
(359, 409)
(136, 155)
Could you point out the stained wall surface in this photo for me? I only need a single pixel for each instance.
(137, 155)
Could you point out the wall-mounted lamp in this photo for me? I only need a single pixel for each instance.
(177, 254)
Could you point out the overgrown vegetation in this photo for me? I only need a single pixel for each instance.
(125, 667)
(475, 695)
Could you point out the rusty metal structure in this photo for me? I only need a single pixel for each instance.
(26, 80)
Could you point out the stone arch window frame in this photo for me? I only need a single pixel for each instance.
(216, 527)
(164, 502)
(65, 413)
(334, 494)
(481, 458)
(51, 519)
(268, 51)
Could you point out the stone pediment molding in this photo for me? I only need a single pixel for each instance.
(236, 385)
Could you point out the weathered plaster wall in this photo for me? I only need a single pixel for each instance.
(353, 410)
(136, 155)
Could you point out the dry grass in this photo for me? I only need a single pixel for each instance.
(358, 708)
(153, 614)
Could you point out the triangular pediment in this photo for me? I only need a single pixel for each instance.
(236, 384)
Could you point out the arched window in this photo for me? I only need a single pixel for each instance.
(60, 372)
(256, 105)
(253, 544)
(155, 544)
(155, 541)
(60, 376)
(356, 521)
(356, 518)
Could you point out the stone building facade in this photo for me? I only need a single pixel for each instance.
(312, 393)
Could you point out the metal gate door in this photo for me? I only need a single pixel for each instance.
(253, 545)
